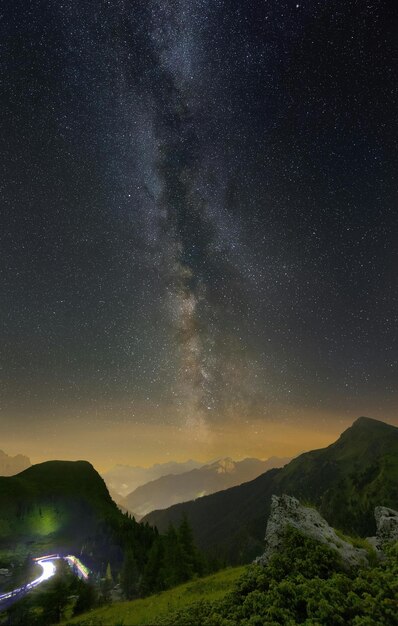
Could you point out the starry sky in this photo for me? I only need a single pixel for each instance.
(198, 231)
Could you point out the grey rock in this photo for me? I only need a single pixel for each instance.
(287, 511)
(373, 542)
(386, 526)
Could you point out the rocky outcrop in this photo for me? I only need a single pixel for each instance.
(287, 511)
(387, 526)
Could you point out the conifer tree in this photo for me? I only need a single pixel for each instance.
(105, 596)
(191, 561)
(87, 597)
(108, 573)
(152, 579)
(55, 600)
(129, 577)
(173, 565)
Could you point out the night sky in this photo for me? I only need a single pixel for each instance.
(198, 231)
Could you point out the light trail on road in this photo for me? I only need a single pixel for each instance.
(48, 570)
(77, 566)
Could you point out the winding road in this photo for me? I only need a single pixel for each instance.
(47, 563)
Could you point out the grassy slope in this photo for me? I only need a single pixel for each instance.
(345, 481)
(145, 611)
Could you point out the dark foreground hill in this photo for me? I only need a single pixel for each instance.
(216, 476)
(65, 506)
(345, 481)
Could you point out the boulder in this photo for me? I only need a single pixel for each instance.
(386, 526)
(287, 511)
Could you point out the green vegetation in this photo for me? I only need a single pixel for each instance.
(65, 506)
(303, 584)
(148, 610)
(344, 481)
(47, 604)
(173, 559)
(168, 561)
(359, 542)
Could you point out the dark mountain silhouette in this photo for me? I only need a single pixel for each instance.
(64, 506)
(345, 481)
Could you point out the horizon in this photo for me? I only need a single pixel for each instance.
(323, 439)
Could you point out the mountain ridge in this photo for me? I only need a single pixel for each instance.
(172, 489)
(123, 479)
(346, 480)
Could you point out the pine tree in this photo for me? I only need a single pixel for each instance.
(105, 588)
(152, 579)
(25, 572)
(129, 577)
(55, 600)
(174, 568)
(87, 597)
(105, 596)
(108, 573)
(191, 561)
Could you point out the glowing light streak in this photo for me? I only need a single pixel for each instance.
(74, 562)
(48, 570)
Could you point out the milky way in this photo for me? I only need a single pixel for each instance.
(198, 223)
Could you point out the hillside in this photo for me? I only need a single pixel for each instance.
(10, 465)
(305, 581)
(345, 481)
(63, 506)
(148, 610)
(172, 489)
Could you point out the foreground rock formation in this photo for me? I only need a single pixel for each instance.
(287, 511)
(387, 526)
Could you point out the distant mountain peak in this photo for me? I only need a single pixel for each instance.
(226, 465)
(218, 475)
(11, 465)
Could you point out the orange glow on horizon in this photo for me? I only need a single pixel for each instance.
(111, 443)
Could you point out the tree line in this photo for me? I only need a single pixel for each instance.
(148, 563)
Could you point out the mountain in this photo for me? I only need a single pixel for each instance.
(10, 465)
(171, 489)
(346, 481)
(123, 479)
(64, 506)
